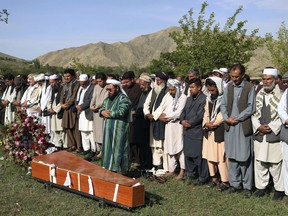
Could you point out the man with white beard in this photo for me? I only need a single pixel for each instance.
(266, 126)
(157, 128)
(33, 96)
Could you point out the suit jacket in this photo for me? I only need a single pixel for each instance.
(85, 106)
(193, 112)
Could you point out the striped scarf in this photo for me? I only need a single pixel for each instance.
(273, 102)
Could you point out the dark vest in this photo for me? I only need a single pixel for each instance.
(218, 132)
(158, 126)
(242, 104)
(159, 98)
(266, 119)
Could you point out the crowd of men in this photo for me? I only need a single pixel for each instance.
(222, 131)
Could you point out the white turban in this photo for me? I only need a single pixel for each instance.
(175, 83)
(53, 77)
(216, 102)
(39, 77)
(219, 83)
(116, 82)
(271, 71)
(83, 77)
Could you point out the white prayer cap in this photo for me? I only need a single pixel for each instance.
(116, 82)
(53, 77)
(271, 71)
(218, 71)
(145, 78)
(173, 82)
(39, 77)
(93, 77)
(83, 77)
(224, 70)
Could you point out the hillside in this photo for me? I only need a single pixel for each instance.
(137, 52)
(11, 62)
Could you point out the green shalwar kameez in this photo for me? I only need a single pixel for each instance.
(115, 151)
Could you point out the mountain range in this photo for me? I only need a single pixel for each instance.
(138, 52)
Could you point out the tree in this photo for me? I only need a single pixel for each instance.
(202, 44)
(4, 16)
(36, 63)
(279, 48)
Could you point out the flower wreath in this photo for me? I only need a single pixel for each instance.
(24, 138)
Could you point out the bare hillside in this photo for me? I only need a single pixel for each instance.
(139, 52)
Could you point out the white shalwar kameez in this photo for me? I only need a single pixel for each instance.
(85, 126)
(283, 114)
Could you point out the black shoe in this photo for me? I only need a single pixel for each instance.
(90, 156)
(246, 193)
(199, 183)
(278, 195)
(234, 190)
(59, 148)
(260, 193)
(159, 167)
(85, 152)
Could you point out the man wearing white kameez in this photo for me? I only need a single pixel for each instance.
(157, 128)
(27, 94)
(7, 99)
(169, 112)
(83, 101)
(54, 107)
(283, 114)
(32, 102)
(45, 95)
(266, 127)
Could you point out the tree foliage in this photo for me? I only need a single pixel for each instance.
(204, 45)
(279, 48)
(36, 63)
(92, 69)
(4, 16)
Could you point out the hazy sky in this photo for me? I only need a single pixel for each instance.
(39, 26)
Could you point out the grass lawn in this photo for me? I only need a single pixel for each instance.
(22, 195)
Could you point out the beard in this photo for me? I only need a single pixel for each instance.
(213, 97)
(112, 96)
(55, 88)
(158, 88)
(269, 88)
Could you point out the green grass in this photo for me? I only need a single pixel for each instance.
(20, 194)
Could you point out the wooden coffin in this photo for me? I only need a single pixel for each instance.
(74, 173)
